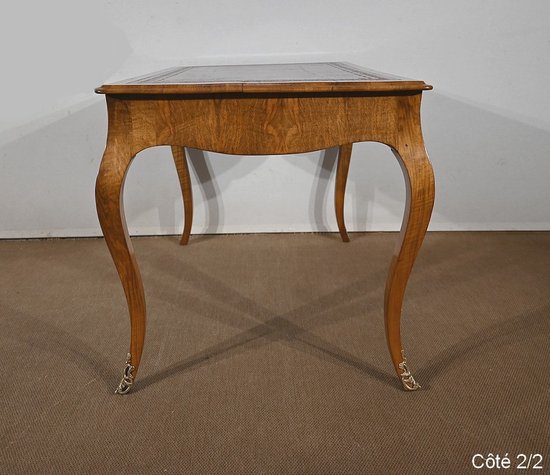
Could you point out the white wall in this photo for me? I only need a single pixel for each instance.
(486, 124)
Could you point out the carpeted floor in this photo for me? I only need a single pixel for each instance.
(266, 354)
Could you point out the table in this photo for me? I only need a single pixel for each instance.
(260, 110)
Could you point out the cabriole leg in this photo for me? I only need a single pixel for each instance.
(110, 210)
(419, 180)
(344, 156)
(180, 161)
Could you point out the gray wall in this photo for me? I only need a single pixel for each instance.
(486, 123)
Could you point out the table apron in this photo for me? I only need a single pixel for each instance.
(259, 125)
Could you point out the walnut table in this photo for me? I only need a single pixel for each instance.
(260, 110)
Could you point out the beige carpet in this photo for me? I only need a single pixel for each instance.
(266, 354)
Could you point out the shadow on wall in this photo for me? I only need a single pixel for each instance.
(492, 172)
(48, 176)
(211, 195)
(48, 166)
(209, 190)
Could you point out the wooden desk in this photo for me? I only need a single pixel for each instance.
(260, 110)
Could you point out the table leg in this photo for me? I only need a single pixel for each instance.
(110, 210)
(419, 179)
(185, 183)
(344, 156)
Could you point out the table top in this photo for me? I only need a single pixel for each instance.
(264, 78)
